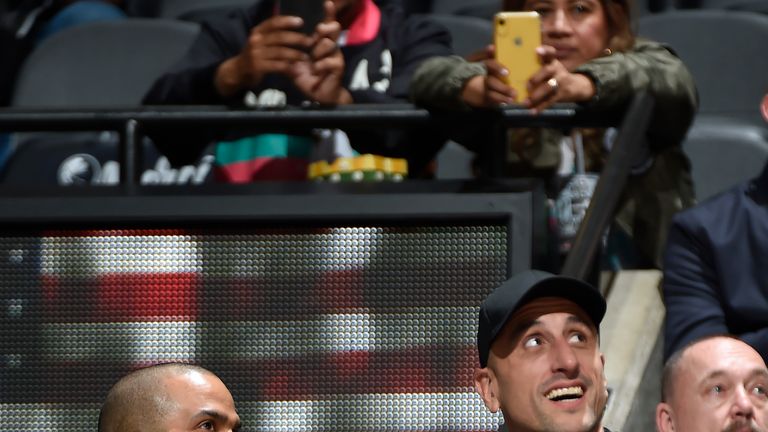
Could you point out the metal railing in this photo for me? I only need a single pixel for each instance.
(132, 124)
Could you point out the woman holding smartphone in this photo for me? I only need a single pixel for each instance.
(589, 56)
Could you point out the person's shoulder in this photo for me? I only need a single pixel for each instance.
(648, 45)
(714, 209)
(403, 23)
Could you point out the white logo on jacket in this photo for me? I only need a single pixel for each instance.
(360, 76)
(272, 98)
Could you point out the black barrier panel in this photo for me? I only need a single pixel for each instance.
(315, 321)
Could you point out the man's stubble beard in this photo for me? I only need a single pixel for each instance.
(737, 425)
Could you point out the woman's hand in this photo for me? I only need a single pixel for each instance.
(489, 90)
(553, 83)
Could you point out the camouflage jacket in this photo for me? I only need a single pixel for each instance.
(654, 193)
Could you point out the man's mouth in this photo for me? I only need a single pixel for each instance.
(565, 393)
(742, 426)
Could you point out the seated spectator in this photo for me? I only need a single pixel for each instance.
(255, 58)
(715, 384)
(78, 12)
(715, 277)
(26, 23)
(591, 57)
(169, 397)
(540, 360)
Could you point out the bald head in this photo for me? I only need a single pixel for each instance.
(150, 399)
(715, 384)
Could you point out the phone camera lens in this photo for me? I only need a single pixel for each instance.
(501, 21)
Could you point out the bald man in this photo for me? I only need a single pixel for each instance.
(715, 384)
(169, 397)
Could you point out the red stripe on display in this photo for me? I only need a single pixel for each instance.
(133, 297)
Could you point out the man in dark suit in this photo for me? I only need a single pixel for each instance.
(716, 268)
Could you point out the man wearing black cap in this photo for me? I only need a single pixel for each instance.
(539, 354)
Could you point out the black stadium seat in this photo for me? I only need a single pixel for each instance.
(468, 34)
(191, 8)
(105, 64)
(723, 152)
(725, 51)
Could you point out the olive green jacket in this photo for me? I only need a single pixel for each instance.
(651, 197)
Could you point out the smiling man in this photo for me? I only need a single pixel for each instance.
(169, 397)
(714, 384)
(539, 354)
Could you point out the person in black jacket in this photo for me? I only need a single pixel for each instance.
(715, 278)
(256, 58)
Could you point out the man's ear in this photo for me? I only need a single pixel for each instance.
(485, 384)
(664, 421)
(764, 107)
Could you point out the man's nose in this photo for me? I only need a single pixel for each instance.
(742, 405)
(563, 359)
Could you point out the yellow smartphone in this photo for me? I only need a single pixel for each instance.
(516, 36)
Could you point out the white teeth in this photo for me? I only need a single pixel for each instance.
(567, 391)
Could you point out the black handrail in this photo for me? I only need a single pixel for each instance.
(132, 124)
(613, 178)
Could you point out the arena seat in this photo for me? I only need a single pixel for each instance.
(476, 8)
(759, 6)
(105, 64)
(725, 53)
(469, 35)
(190, 9)
(723, 152)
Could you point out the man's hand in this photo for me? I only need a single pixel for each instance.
(274, 46)
(319, 76)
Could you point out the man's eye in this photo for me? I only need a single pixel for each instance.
(717, 389)
(576, 338)
(533, 342)
(206, 425)
(759, 390)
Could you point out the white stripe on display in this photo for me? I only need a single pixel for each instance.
(132, 341)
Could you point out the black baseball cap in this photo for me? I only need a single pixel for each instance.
(521, 289)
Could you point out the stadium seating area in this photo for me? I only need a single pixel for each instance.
(335, 338)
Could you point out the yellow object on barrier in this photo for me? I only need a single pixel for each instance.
(363, 168)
